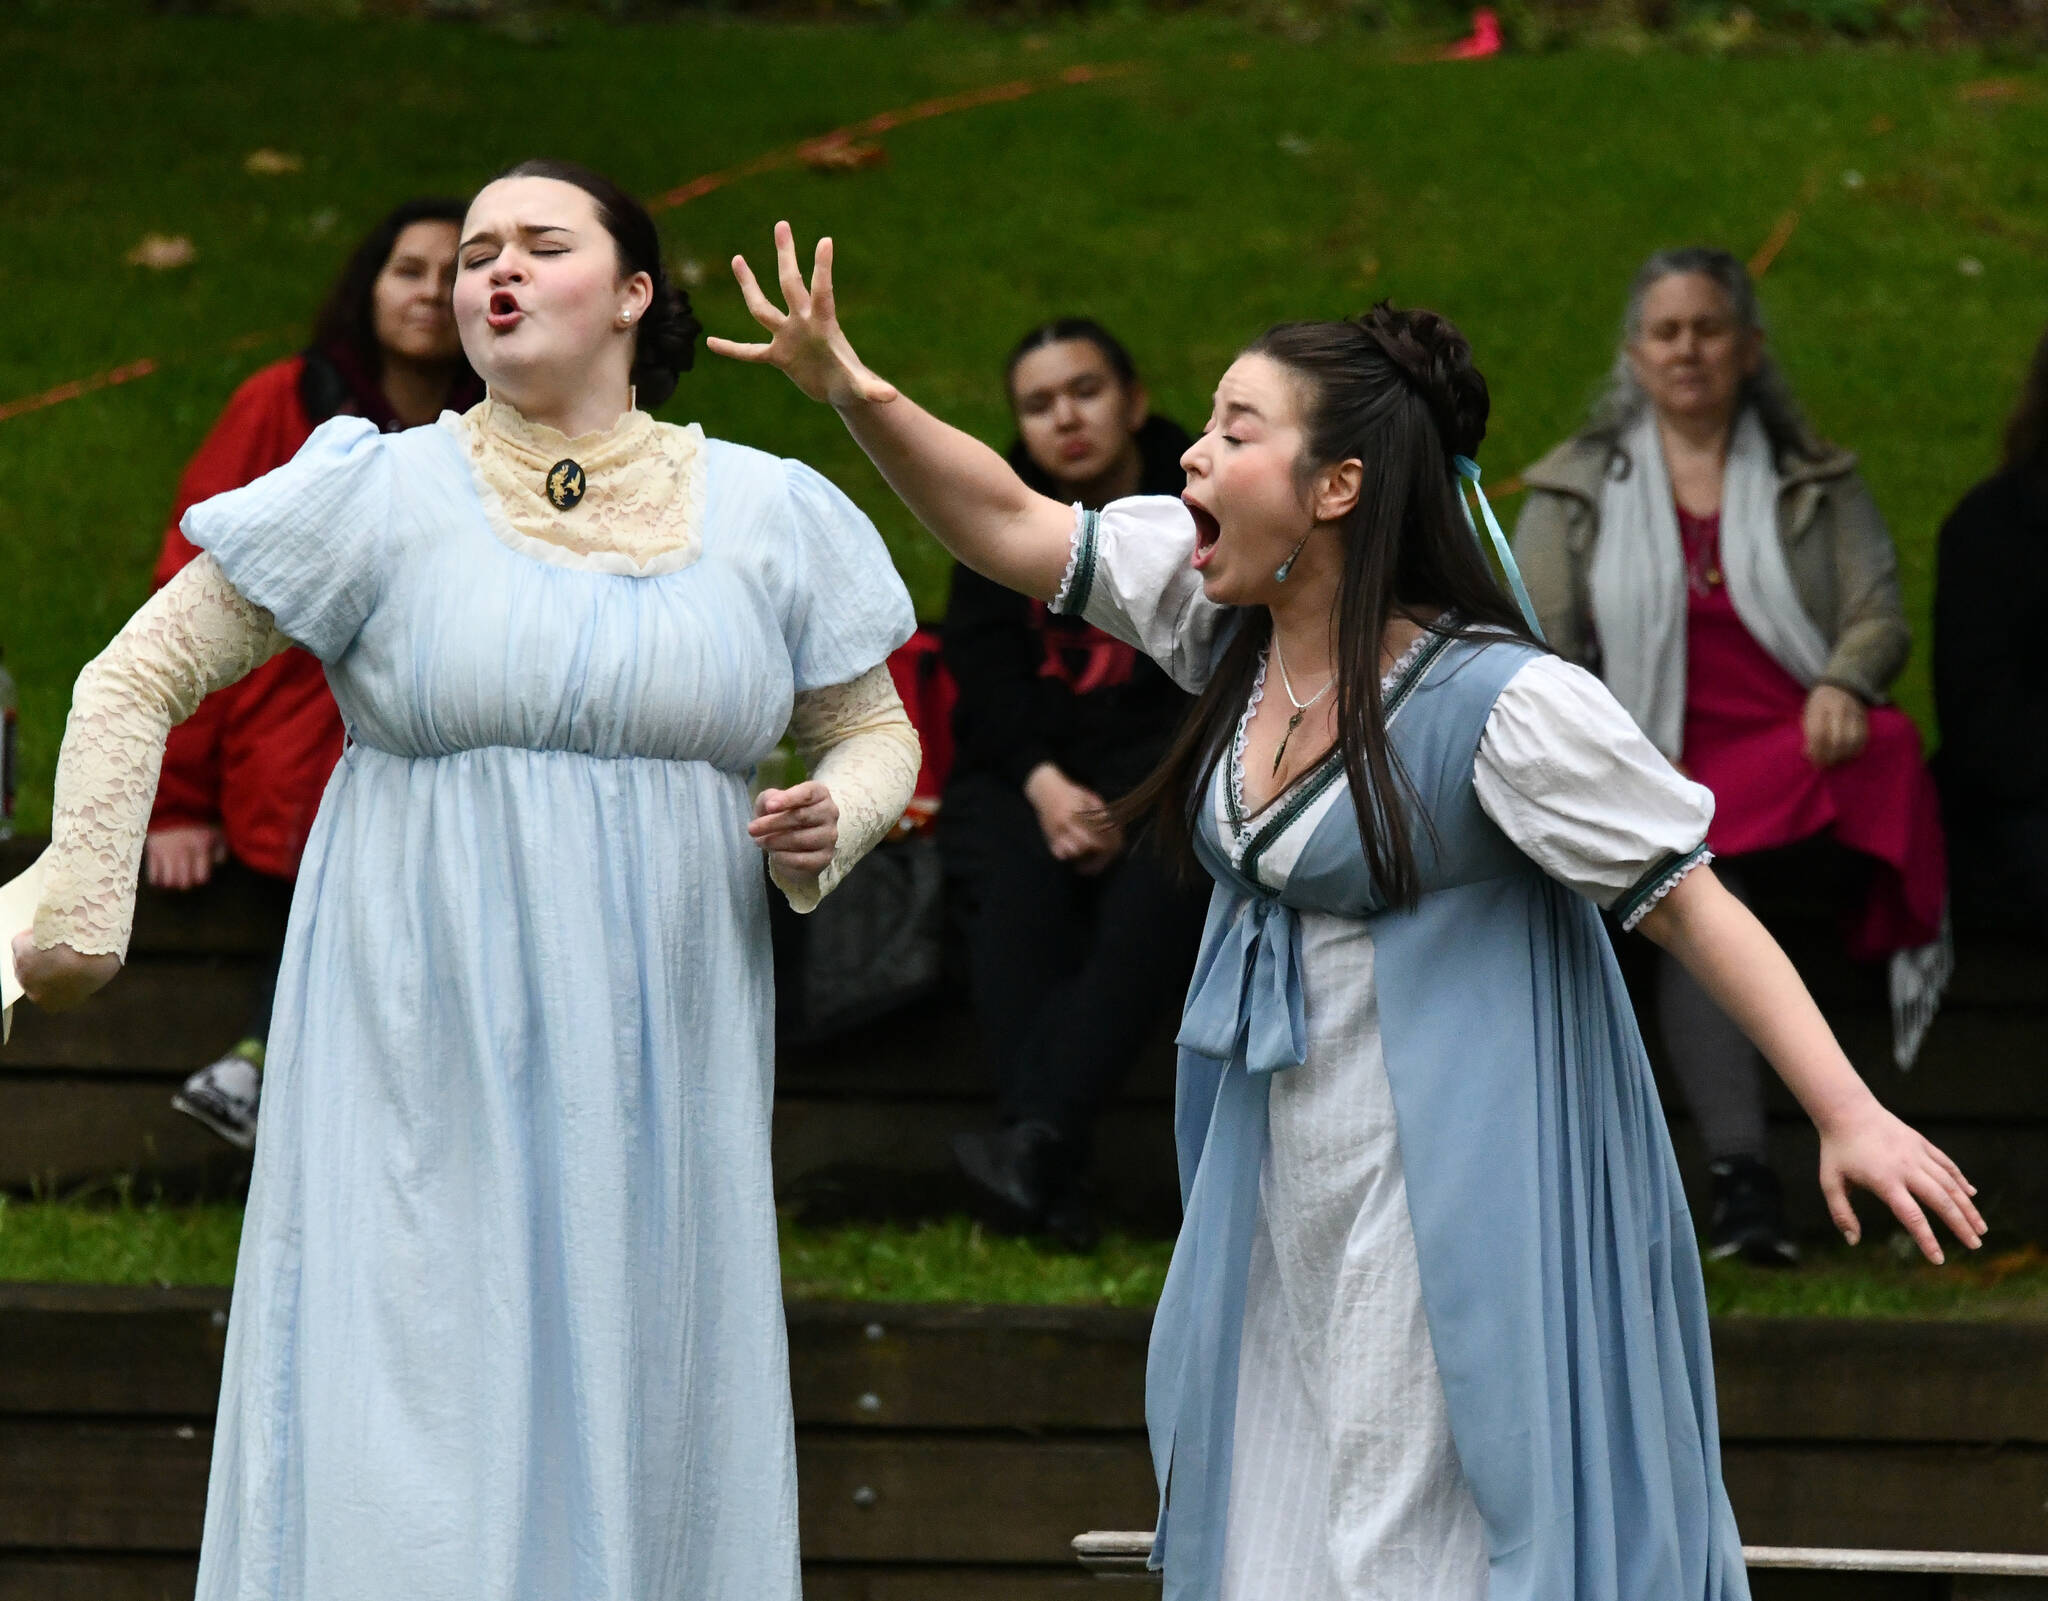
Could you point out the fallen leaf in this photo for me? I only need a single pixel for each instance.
(1970, 267)
(161, 252)
(272, 163)
(1882, 124)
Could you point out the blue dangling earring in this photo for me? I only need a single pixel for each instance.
(1280, 573)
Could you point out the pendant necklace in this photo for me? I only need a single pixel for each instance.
(1300, 706)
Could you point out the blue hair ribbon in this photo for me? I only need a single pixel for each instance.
(1468, 473)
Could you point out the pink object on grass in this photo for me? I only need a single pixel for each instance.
(1484, 39)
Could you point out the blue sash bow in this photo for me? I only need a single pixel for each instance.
(1246, 1019)
(1246, 991)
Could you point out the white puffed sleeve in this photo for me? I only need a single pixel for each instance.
(1129, 574)
(1569, 777)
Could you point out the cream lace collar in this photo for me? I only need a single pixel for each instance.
(643, 500)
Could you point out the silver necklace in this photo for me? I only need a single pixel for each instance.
(1300, 706)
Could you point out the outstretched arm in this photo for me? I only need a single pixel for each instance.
(955, 485)
(1738, 963)
(195, 635)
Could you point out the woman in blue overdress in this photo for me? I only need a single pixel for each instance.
(507, 1319)
(1435, 1328)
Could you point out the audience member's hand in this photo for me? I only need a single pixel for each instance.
(59, 977)
(798, 828)
(1071, 816)
(183, 857)
(1836, 726)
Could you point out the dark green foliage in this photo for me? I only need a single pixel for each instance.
(1237, 176)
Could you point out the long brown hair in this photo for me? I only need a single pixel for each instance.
(1396, 391)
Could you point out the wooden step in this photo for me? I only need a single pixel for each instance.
(1835, 1432)
(97, 1576)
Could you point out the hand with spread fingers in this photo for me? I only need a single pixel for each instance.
(1734, 959)
(805, 341)
(1902, 1168)
(797, 827)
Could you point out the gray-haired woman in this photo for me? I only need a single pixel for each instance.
(1727, 573)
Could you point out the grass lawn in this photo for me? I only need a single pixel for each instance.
(1232, 177)
(956, 1261)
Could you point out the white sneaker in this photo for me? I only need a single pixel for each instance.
(224, 1095)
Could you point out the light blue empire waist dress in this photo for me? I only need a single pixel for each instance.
(507, 1321)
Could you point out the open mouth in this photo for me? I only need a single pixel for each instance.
(1207, 530)
(503, 311)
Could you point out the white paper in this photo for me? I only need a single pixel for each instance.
(17, 912)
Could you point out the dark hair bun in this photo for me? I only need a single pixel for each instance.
(666, 346)
(1438, 362)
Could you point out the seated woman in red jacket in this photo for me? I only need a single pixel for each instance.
(243, 776)
(1077, 940)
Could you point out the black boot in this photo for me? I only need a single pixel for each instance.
(1748, 1217)
(1023, 1169)
(1071, 1221)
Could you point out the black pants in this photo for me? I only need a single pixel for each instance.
(1070, 973)
(1998, 870)
(274, 897)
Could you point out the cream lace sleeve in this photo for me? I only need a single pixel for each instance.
(857, 741)
(194, 636)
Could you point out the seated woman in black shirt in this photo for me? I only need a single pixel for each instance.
(1990, 682)
(1077, 941)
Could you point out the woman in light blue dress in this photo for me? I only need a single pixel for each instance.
(1435, 1328)
(507, 1318)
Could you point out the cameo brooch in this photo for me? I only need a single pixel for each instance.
(565, 485)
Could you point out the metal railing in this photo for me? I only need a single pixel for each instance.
(1120, 1554)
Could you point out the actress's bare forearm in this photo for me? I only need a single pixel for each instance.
(1736, 961)
(956, 486)
(1862, 1145)
(968, 496)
